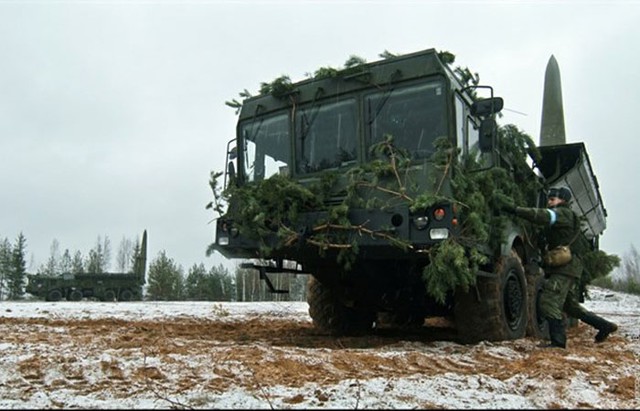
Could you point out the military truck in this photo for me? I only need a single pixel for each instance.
(381, 181)
(100, 286)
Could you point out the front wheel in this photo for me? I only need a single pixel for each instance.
(330, 315)
(496, 309)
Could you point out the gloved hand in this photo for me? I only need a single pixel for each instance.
(505, 204)
(508, 208)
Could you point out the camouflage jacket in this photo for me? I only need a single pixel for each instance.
(561, 227)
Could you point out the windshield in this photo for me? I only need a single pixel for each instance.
(326, 133)
(267, 147)
(414, 116)
(326, 136)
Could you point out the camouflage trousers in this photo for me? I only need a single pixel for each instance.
(560, 293)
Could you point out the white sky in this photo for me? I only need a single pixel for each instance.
(112, 113)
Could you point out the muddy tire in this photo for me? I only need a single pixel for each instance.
(331, 316)
(537, 325)
(496, 308)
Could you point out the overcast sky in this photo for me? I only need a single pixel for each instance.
(113, 115)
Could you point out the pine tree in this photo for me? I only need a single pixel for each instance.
(93, 264)
(165, 279)
(135, 261)
(5, 265)
(100, 256)
(195, 284)
(17, 278)
(66, 264)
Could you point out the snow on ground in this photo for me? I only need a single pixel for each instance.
(266, 355)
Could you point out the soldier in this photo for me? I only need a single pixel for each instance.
(562, 228)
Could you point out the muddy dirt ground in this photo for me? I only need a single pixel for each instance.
(189, 362)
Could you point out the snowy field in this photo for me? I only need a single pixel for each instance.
(200, 355)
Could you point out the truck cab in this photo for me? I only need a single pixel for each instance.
(380, 181)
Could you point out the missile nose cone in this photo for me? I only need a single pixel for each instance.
(552, 123)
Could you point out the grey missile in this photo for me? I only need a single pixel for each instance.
(552, 124)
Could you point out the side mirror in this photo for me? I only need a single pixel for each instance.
(487, 106)
(488, 133)
(232, 154)
(231, 171)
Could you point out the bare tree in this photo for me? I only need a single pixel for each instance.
(124, 254)
(631, 264)
(52, 266)
(5, 264)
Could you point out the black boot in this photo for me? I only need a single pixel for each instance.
(603, 326)
(557, 334)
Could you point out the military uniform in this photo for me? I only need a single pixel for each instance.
(560, 290)
(562, 228)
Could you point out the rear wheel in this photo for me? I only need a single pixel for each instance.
(54, 295)
(125, 295)
(496, 309)
(109, 295)
(537, 325)
(330, 315)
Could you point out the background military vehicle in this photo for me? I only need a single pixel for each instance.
(381, 182)
(101, 286)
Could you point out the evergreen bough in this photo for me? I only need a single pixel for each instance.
(272, 206)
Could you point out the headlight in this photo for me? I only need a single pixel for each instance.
(421, 222)
(223, 240)
(439, 233)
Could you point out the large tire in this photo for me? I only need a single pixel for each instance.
(537, 325)
(331, 316)
(75, 295)
(125, 295)
(496, 309)
(109, 295)
(54, 295)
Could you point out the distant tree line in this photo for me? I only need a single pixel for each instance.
(166, 280)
